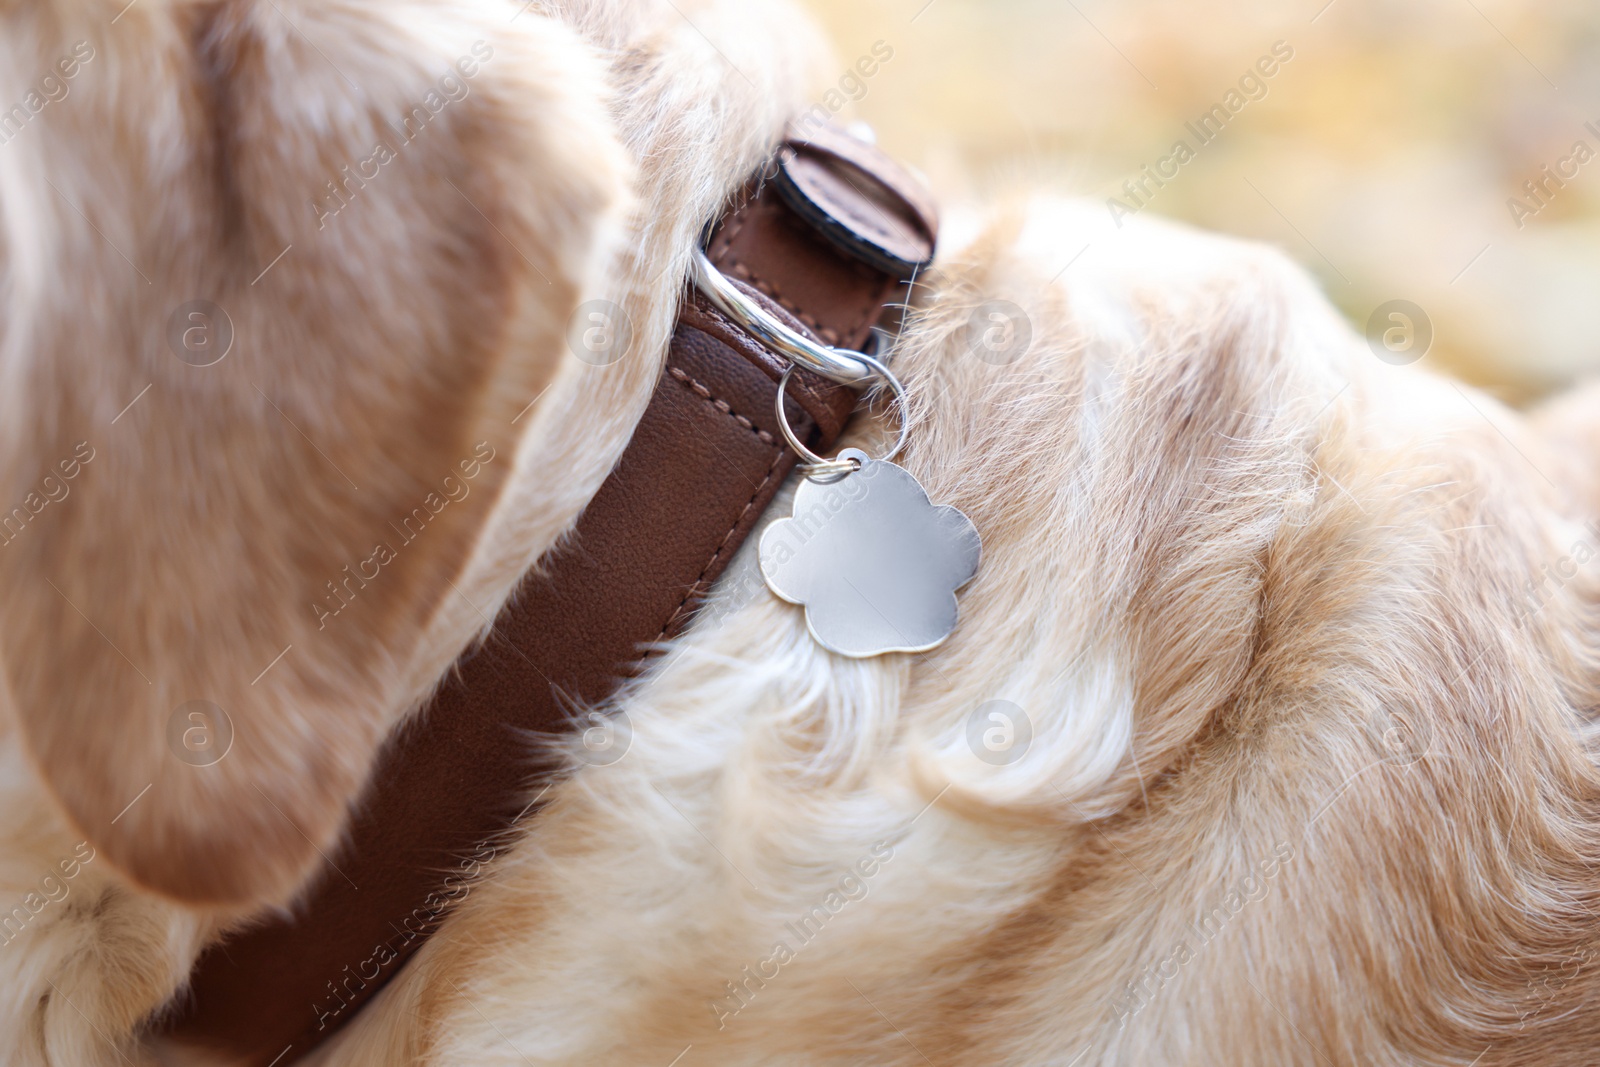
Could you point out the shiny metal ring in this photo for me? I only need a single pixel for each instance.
(836, 364)
(830, 469)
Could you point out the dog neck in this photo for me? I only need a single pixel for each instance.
(826, 239)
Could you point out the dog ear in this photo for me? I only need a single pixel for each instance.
(281, 277)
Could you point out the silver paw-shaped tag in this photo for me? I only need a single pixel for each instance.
(875, 564)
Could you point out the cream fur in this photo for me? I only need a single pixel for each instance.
(1256, 591)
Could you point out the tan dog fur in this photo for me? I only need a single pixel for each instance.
(1263, 599)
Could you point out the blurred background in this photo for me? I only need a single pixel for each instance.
(1388, 154)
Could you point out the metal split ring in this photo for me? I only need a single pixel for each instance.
(836, 364)
(855, 369)
(815, 466)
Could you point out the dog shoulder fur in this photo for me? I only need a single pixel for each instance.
(1310, 777)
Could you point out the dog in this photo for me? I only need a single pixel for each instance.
(1265, 736)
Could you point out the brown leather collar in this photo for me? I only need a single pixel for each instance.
(827, 239)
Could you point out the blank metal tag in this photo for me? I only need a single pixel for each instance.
(874, 563)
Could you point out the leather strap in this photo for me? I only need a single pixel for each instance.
(702, 466)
